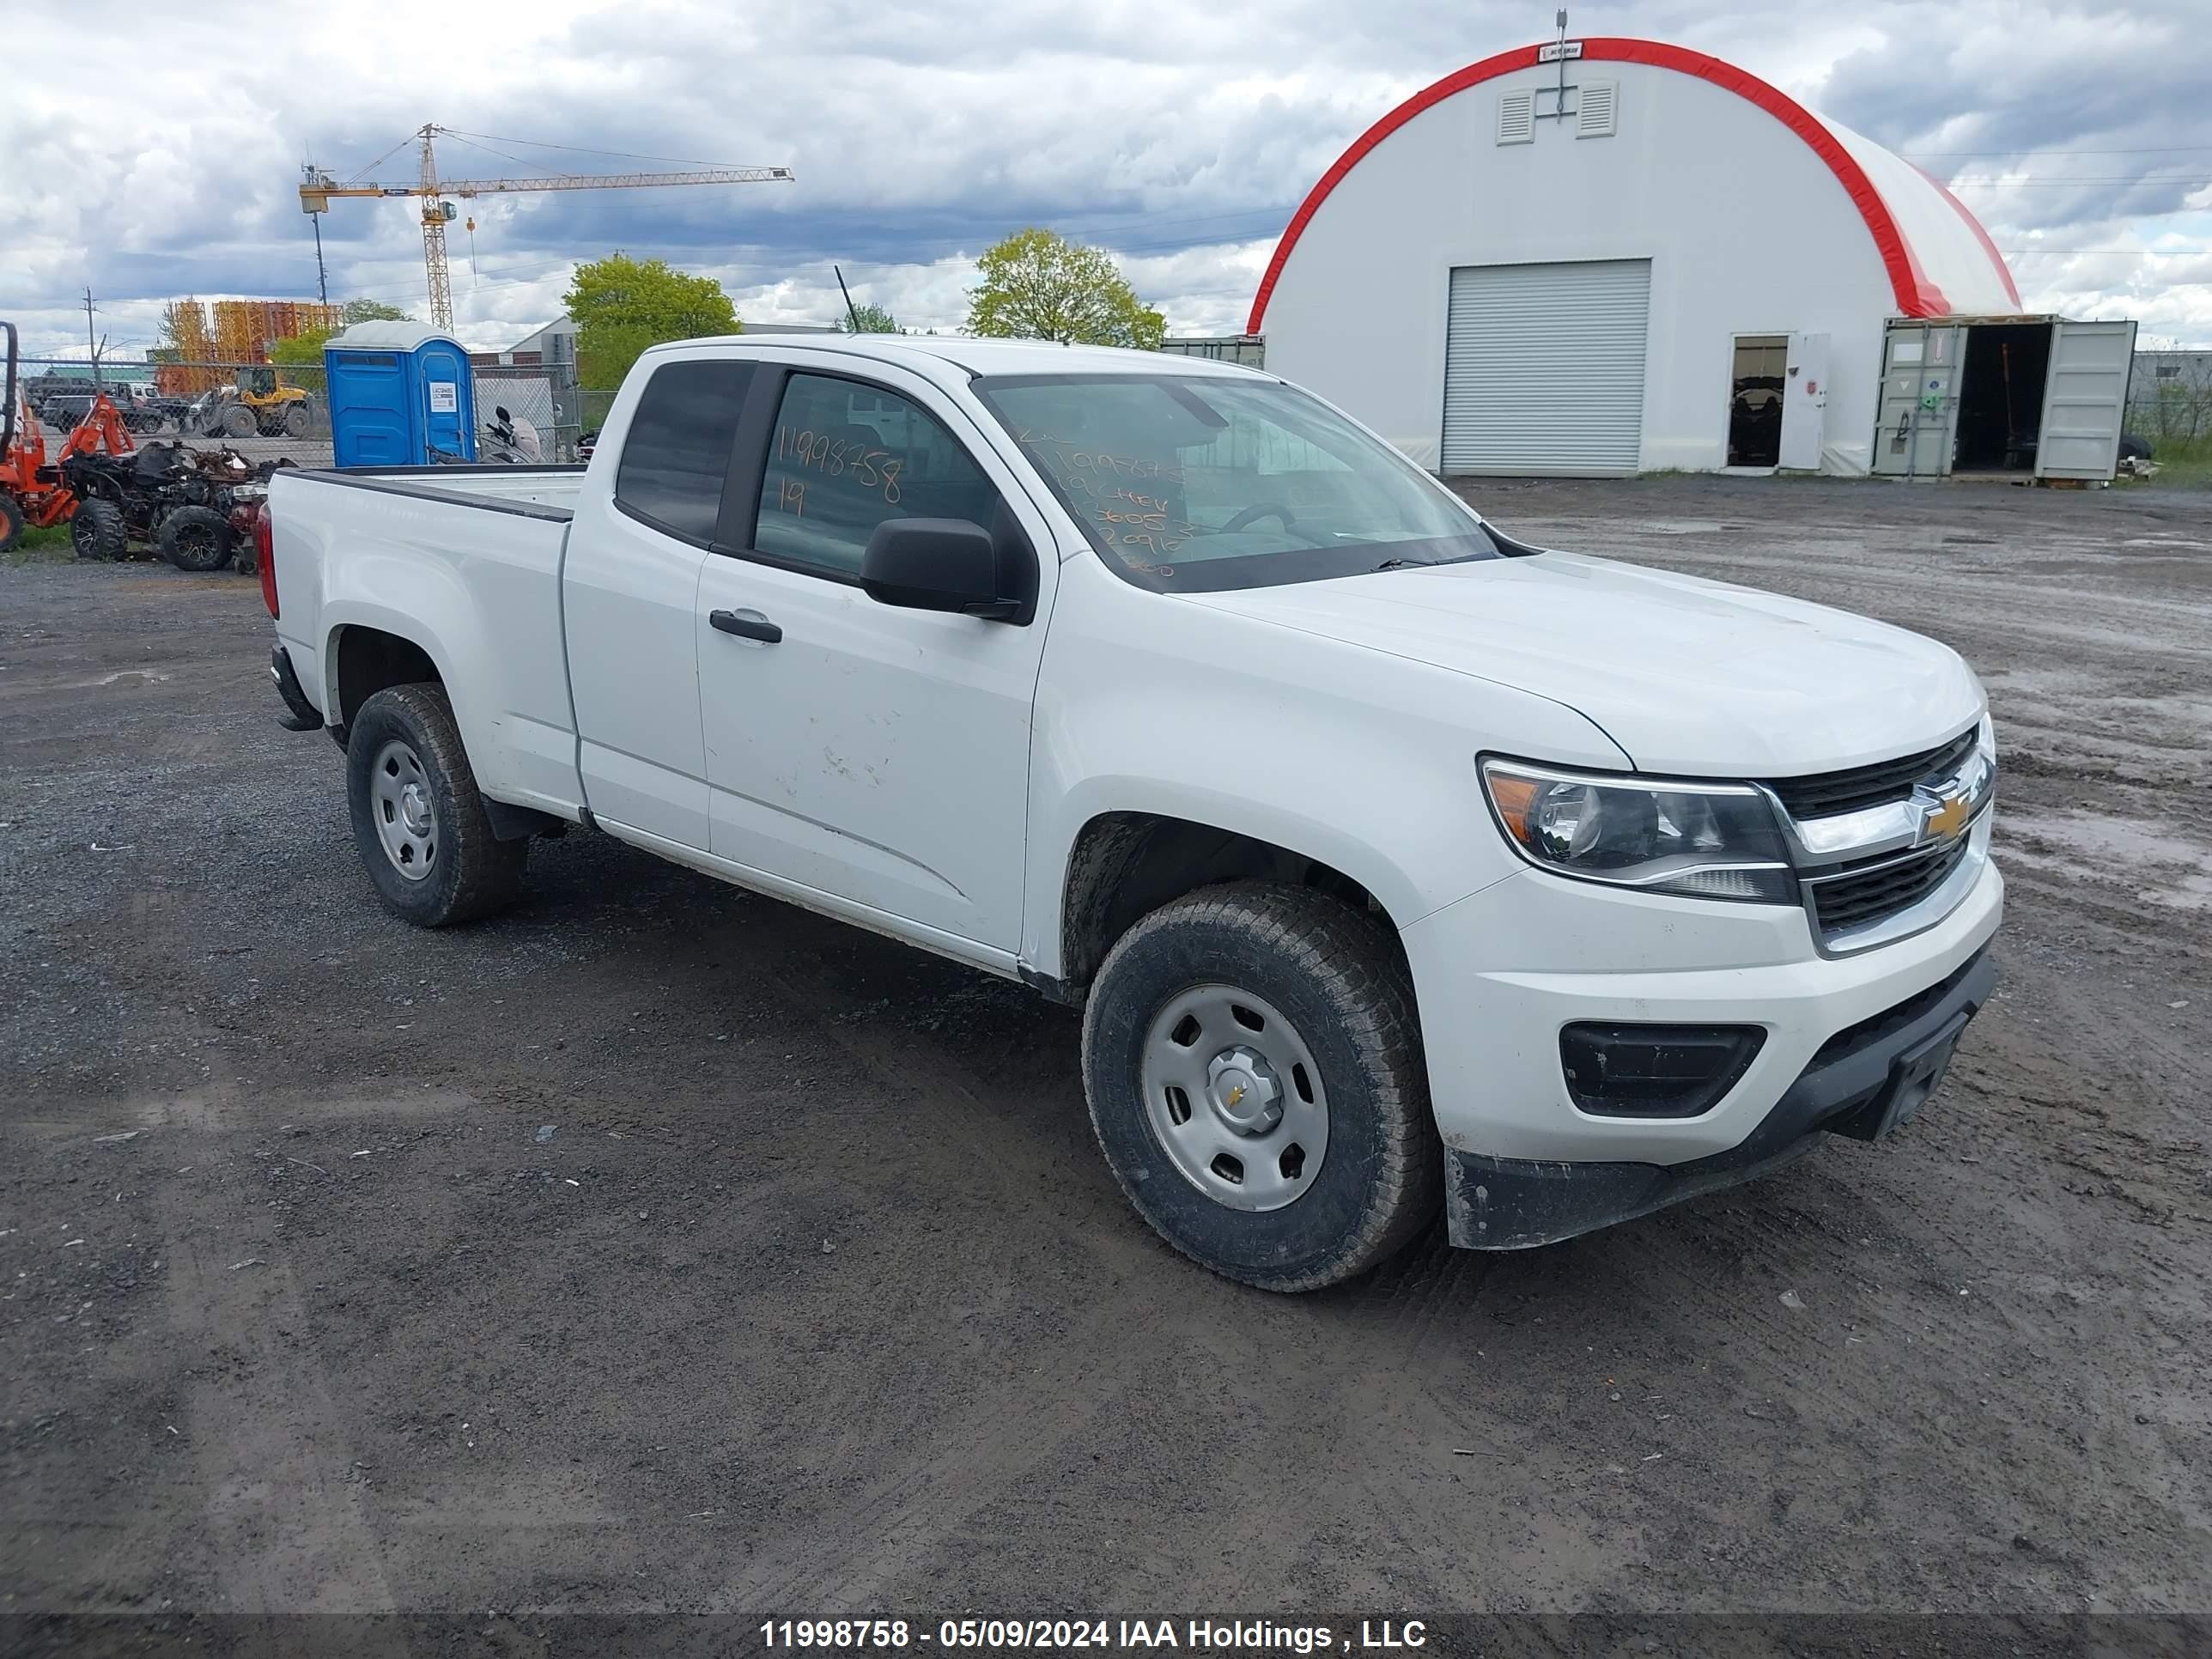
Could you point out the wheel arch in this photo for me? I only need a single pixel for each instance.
(1124, 864)
(361, 660)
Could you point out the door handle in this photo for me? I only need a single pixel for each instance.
(747, 625)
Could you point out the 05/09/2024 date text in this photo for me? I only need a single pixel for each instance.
(1055, 1635)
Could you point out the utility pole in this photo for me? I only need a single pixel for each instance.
(92, 345)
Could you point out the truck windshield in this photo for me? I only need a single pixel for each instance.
(1188, 482)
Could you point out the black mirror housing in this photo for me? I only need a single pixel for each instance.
(953, 565)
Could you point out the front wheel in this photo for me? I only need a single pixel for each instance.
(196, 539)
(11, 521)
(97, 531)
(418, 817)
(1254, 1069)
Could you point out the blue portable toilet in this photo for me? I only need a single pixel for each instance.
(398, 391)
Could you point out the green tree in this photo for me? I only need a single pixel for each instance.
(374, 311)
(301, 357)
(621, 305)
(1040, 286)
(868, 319)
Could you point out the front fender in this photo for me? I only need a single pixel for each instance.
(1363, 761)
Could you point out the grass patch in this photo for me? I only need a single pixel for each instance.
(2184, 462)
(47, 546)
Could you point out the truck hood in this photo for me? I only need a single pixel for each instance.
(1685, 675)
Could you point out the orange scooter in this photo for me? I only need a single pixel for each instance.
(31, 491)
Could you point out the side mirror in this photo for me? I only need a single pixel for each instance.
(944, 564)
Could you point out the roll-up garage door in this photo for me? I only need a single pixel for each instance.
(1544, 367)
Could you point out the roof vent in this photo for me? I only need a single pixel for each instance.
(1594, 113)
(1516, 118)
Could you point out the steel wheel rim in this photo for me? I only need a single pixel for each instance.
(1235, 1097)
(403, 807)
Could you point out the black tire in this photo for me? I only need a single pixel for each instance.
(238, 421)
(297, 421)
(472, 871)
(11, 522)
(97, 532)
(196, 539)
(1336, 975)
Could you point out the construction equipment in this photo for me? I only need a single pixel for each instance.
(31, 491)
(258, 405)
(321, 189)
(183, 502)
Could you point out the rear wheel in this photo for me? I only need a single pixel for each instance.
(1254, 1069)
(196, 539)
(418, 817)
(11, 522)
(96, 532)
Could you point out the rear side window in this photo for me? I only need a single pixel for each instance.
(678, 448)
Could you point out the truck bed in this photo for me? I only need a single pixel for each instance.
(548, 491)
(445, 557)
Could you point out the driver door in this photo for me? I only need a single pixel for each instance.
(872, 755)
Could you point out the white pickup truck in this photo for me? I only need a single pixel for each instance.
(1397, 865)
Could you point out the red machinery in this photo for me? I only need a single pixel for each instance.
(30, 490)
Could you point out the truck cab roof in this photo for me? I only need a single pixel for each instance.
(975, 356)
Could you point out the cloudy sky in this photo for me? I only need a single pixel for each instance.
(1182, 135)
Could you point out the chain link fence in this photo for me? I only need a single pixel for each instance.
(2170, 396)
(267, 412)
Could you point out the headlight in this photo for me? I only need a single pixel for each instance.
(1699, 840)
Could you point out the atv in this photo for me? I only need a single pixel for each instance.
(178, 500)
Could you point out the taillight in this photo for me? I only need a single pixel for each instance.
(264, 555)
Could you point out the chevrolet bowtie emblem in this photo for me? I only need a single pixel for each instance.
(1948, 818)
(1236, 1094)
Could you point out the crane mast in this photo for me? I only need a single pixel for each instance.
(435, 214)
(319, 189)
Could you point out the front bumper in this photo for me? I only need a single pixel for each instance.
(1856, 1084)
(1498, 973)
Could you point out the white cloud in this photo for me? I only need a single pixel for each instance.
(920, 133)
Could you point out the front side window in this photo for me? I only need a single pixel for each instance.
(843, 458)
(1202, 483)
(677, 451)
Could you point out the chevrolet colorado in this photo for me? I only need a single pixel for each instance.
(1395, 864)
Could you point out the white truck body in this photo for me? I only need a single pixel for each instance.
(934, 776)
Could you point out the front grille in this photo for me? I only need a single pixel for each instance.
(1826, 795)
(1854, 899)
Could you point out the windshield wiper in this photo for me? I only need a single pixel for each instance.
(1402, 564)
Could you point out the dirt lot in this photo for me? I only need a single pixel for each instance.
(659, 1248)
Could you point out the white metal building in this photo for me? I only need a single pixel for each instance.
(1609, 255)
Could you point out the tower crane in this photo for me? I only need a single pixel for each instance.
(318, 191)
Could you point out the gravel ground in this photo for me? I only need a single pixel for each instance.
(661, 1249)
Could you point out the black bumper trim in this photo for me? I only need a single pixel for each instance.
(301, 715)
(1516, 1204)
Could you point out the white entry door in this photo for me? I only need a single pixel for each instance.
(1805, 403)
(2085, 397)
